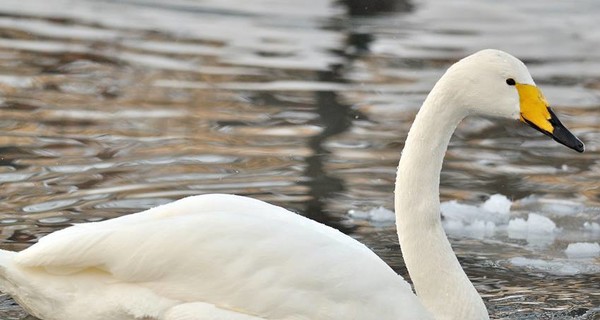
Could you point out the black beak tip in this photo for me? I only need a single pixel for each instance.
(580, 147)
(565, 137)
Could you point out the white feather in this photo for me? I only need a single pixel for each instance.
(233, 252)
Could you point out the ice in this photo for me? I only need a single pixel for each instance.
(382, 214)
(539, 231)
(358, 214)
(591, 227)
(496, 207)
(497, 203)
(379, 214)
(581, 250)
(517, 225)
(556, 267)
(539, 224)
(490, 219)
(553, 207)
(476, 221)
(478, 229)
(454, 211)
(535, 223)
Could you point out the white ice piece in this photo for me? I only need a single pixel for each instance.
(580, 250)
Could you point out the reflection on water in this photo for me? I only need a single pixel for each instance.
(111, 107)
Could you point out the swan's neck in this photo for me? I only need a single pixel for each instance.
(439, 280)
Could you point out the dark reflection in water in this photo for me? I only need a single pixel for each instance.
(374, 7)
(335, 118)
(111, 107)
(334, 115)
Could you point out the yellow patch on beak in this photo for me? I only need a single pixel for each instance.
(536, 113)
(534, 107)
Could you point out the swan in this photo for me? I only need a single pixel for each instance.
(218, 256)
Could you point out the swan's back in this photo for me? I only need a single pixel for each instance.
(235, 253)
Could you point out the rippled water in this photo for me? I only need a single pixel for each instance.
(110, 107)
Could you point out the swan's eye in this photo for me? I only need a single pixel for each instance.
(510, 82)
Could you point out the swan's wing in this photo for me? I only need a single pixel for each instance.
(77, 246)
(238, 253)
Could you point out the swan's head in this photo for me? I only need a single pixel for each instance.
(494, 83)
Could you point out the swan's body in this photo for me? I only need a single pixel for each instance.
(228, 257)
(239, 254)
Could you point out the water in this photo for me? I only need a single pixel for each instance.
(112, 107)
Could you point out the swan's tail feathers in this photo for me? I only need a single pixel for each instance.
(6, 264)
(6, 260)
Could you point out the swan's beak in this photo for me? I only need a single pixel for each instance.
(536, 113)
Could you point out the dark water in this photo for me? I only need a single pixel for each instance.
(112, 107)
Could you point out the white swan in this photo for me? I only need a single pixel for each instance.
(229, 257)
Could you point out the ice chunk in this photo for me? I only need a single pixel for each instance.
(592, 227)
(497, 203)
(517, 225)
(477, 229)
(480, 229)
(358, 214)
(476, 221)
(553, 207)
(540, 224)
(580, 250)
(557, 267)
(535, 224)
(537, 230)
(382, 214)
(379, 214)
(452, 210)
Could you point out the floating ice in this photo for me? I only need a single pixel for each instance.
(592, 227)
(476, 221)
(557, 267)
(478, 229)
(497, 203)
(553, 207)
(583, 250)
(535, 224)
(379, 214)
(538, 230)
(53, 220)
